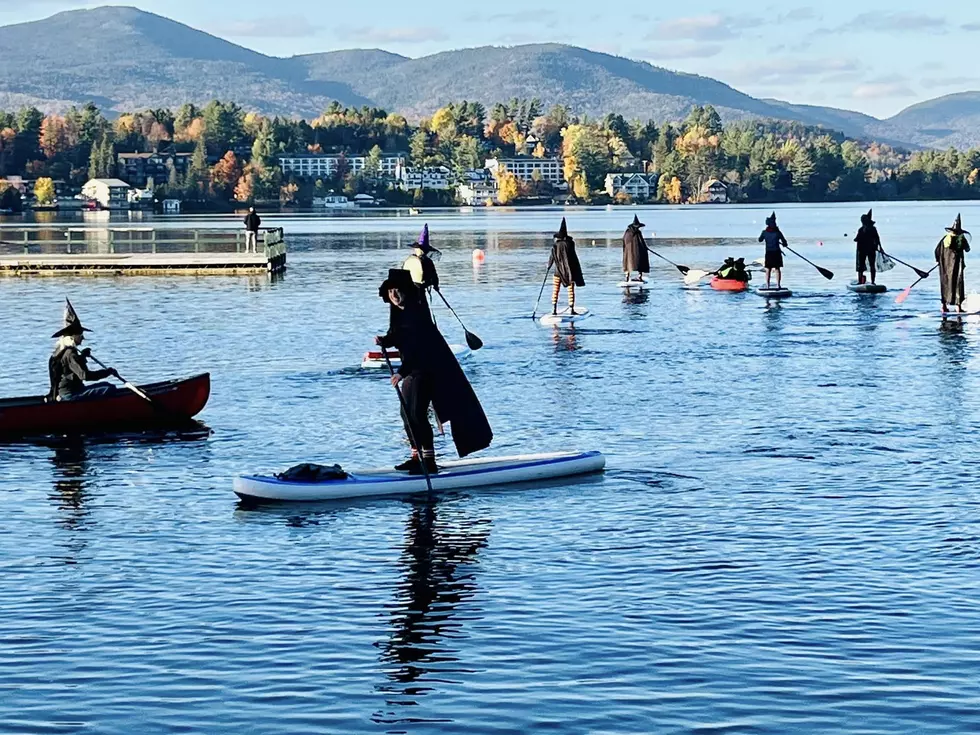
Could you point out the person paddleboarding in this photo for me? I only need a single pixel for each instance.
(568, 271)
(68, 369)
(428, 374)
(635, 254)
(774, 240)
(421, 264)
(951, 257)
(868, 247)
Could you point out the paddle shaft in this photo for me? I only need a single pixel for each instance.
(126, 383)
(823, 271)
(469, 334)
(408, 422)
(921, 274)
(534, 311)
(905, 293)
(682, 268)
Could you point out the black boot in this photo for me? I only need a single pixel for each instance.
(412, 463)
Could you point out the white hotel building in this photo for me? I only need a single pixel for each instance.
(321, 165)
(523, 167)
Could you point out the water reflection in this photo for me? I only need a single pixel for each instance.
(565, 340)
(438, 579)
(636, 298)
(71, 475)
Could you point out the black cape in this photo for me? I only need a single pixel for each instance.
(868, 242)
(635, 255)
(424, 349)
(952, 262)
(565, 260)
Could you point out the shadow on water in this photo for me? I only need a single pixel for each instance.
(437, 578)
(565, 340)
(70, 463)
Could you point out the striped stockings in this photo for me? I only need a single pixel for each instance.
(557, 289)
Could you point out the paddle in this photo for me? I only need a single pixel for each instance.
(126, 383)
(682, 268)
(823, 271)
(534, 312)
(411, 431)
(905, 294)
(919, 273)
(472, 340)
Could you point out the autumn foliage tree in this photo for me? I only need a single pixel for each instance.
(225, 175)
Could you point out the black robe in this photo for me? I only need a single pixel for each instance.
(423, 349)
(567, 267)
(952, 262)
(635, 255)
(68, 370)
(868, 245)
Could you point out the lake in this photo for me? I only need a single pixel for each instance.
(786, 538)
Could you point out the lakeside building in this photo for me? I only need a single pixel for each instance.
(714, 192)
(138, 168)
(322, 165)
(434, 177)
(523, 168)
(639, 187)
(110, 193)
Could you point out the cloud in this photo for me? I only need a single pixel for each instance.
(791, 72)
(673, 51)
(949, 81)
(713, 27)
(412, 34)
(877, 91)
(798, 14)
(970, 27)
(896, 23)
(281, 26)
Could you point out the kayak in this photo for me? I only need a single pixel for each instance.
(563, 317)
(866, 287)
(728, 284)
(174, 401)
(774, 293)
(633, 284)
(453, 475)
(374, 359)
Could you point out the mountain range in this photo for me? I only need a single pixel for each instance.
(124, 59)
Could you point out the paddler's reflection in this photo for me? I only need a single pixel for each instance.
(71, 471)
(565, 339)
(437, 578)
(635, 298)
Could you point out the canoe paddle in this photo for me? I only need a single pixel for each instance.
(411, 431)
(472, 340)
(919, 273)
(682, 268)
(823, 271)
(126, 383)
(905, 294)
(534, 312)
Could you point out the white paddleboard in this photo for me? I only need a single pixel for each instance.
(866, 287)
(563, 317)
(774, 293)
(453, 475)
(633, 284)
(373, 358)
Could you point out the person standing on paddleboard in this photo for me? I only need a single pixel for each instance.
(68, 366)
(421, 263)
(868, 247)
(951, 257)
(774, 241)
(428, 374)
(635, 255)
(568, 271)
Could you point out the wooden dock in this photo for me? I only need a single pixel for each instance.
(119, 253)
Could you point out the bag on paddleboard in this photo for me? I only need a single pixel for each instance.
(883, 262)
(312, 473)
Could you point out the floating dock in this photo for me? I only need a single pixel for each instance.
(143, 252)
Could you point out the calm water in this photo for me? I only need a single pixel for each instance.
(786, 539)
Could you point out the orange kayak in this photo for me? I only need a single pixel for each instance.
(728, 284)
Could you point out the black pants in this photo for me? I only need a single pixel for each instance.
(417, 392)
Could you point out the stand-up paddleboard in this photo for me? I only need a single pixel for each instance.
(374, 359)
(455, 475)
(564, 317)
(728, 284)
(866, 287)
(633, 284)
(970, 307)
(774, 293)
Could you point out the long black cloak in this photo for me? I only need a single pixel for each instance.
(868, 244)
(423, 348)
(635, 255)
(565, 260)
(950, 254)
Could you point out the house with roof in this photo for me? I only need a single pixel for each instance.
(639, 187)
(714, 192)
(109, 193)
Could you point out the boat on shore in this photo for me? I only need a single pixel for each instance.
(173, 402)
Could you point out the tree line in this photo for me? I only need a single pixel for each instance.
(233, 154)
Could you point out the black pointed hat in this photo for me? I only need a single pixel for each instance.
(73, 325)
(957, 227)
(636, 222)
(562, 233)
(771, 219)
(866, 218)
(397, 278)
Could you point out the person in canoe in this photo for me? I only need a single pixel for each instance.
(428, 374)
(68, 366)
(951, 257)
(635, 255)
(868, 247)
(568, 271)
(774, 240)
(734, 270)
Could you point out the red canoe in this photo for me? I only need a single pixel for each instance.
(728, 284)
(174, 401)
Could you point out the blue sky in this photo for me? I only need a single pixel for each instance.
(875, 56)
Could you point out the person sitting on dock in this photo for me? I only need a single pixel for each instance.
(951, 257)
(734, 270)
(868, 246)
(252, 223)
(428, 374)
(635, 255)
(774, 241)
(568, 271)
(421, 264)
(68, 366)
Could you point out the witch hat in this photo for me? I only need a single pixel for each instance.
(73, 325)
(562, 233)
(397, 278)
(423, 242)
(636, 222)
(957, 228)
(771, 219)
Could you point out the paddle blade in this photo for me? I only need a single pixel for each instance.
(694, 276)
(473, 342)
(904, 295)
(921, 274)
(825, 273)
(683, 269)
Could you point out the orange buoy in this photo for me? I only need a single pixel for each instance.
(478, 255)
